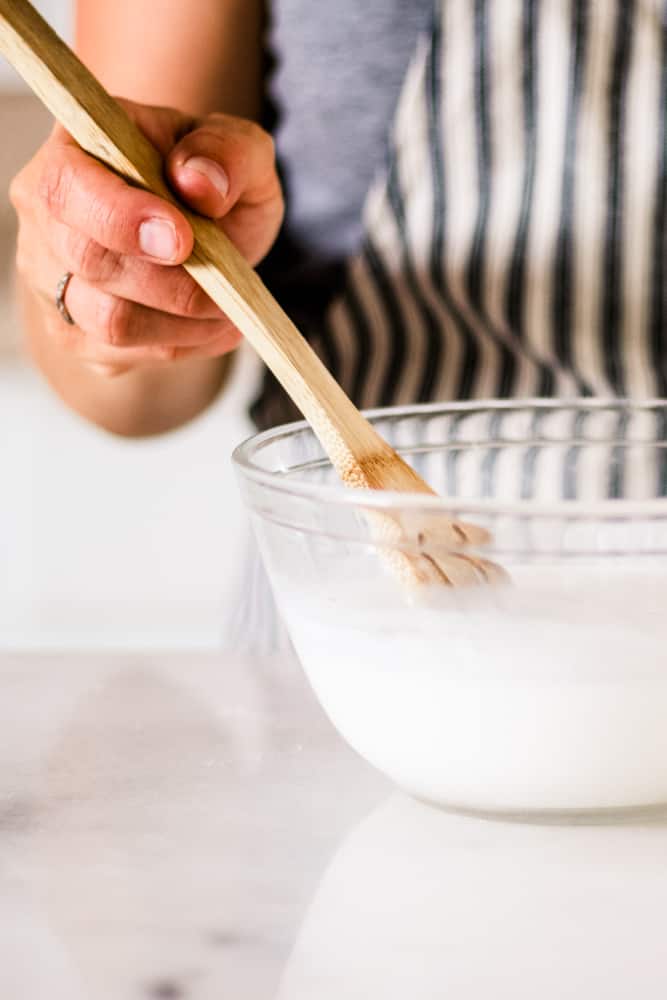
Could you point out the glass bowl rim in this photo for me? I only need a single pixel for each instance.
(611, 510)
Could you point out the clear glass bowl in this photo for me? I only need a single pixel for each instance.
(548, 693)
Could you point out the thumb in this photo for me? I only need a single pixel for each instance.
(221, 162)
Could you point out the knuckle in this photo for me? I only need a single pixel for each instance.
(224, 327)
(162, 353)
(17, 195)
(105, 215)
(190, 300)
(113, 320)
(106, 370)
(262, 140)
(55, 184)
(89, 259)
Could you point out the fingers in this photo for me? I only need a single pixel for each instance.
(131, 301)
(225, 168)
(111, 321)
(111, 331)
(168, 289)
(124, 348)
(76, 190)
(114, 334)
(221, 161)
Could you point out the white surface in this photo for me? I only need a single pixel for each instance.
(59, 14)
(547, 694)
(190, 828)
(110, 542)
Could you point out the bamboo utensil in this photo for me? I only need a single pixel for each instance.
(360, 456)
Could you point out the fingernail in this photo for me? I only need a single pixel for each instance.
(211, 170)
(157, 238)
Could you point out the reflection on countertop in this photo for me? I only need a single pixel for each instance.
(189, 827)
(164, 821)
(429, 904)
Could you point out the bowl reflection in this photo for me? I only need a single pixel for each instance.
(422, 903)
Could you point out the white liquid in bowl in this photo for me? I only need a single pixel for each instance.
(550, 694)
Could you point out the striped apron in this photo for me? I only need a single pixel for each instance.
(515, 241)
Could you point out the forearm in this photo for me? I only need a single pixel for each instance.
(198, 56)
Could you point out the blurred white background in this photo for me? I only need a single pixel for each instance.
(105, 542)
(59, 13)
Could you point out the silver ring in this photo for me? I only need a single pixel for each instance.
(61, 292)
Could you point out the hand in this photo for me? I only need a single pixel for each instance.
(132, 304)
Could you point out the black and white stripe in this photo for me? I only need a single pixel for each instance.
(612, 282)
(564, 264)
(462, 366)
(516, 280)
(658, 287)
(515, 243)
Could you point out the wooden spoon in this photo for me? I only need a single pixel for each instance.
(360, 456)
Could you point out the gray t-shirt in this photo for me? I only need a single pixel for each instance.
(336, 80)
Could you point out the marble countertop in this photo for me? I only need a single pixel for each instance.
(189, 827)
